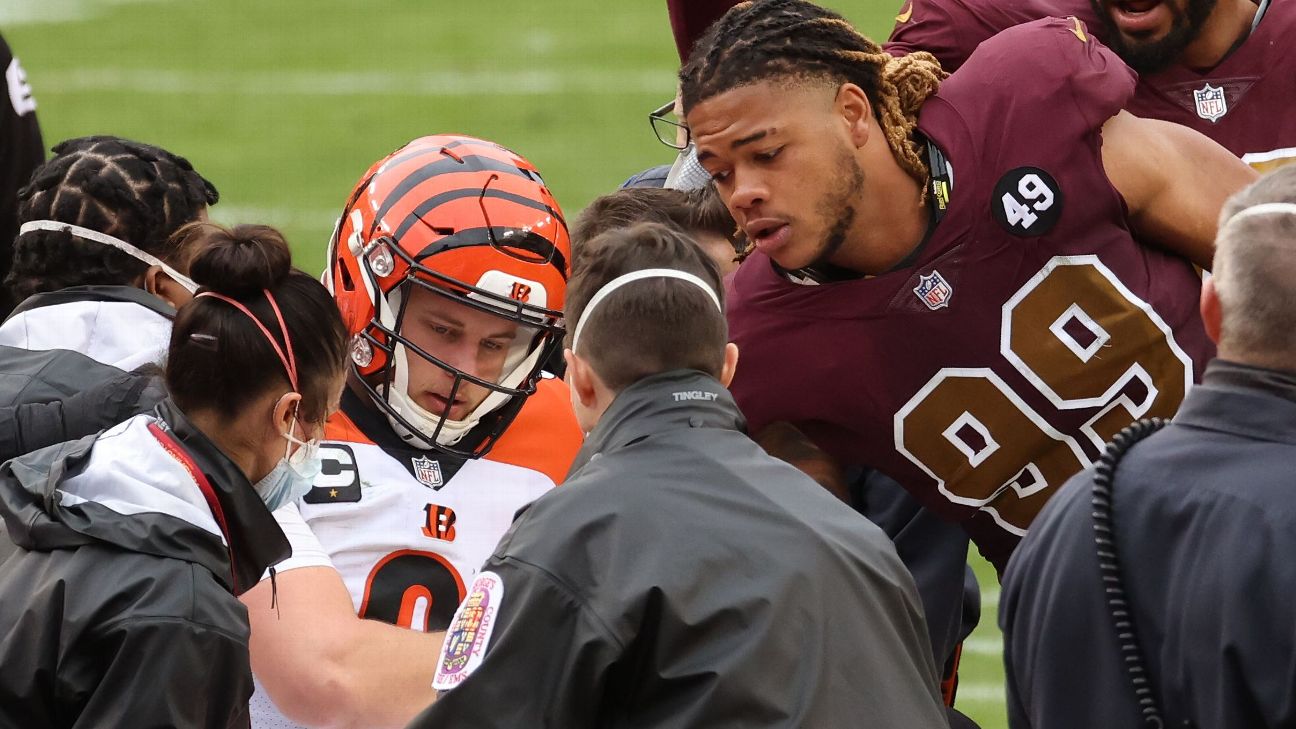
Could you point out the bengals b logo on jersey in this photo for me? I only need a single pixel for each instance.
(440, 523)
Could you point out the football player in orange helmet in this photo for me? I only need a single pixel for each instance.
(449, 264)
(469, 228)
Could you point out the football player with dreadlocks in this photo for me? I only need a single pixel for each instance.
(945, 283)
(99, 279)
(449, 264)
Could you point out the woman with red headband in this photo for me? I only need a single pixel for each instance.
(120, 607)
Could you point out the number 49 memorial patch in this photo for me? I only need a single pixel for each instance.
(465, 643)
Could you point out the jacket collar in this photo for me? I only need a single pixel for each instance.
(121, 326)
(105, 488)
(1253, 402)
(667, 401)
(255, 540)
(130, 294)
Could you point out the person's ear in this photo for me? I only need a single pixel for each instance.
(1211, 312)
(286, 410)
(158, 283)
(853, 106)
(581, 379)
(730, 364)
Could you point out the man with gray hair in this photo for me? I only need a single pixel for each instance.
(1156, 588)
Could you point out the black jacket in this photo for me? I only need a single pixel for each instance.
(682, 578)
(52, 395)
(49, 395)
(119, 609)
(56, 395)
(1204, 513)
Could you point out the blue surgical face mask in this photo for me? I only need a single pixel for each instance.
(294, 475)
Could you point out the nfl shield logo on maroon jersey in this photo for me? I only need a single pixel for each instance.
(427, 471)
(933, 290)
(1211, 104)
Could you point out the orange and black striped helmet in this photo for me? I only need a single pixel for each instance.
(473, 222)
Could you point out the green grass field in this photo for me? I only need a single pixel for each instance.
(284, 103)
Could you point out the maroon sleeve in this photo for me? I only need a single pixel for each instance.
(1051, 78)
(929, 25)
(689, 19)
(952, 29)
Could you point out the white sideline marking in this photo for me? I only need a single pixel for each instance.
(984, 646)
(32, 12)
(989, 602)
(983, 692)
(430, 83)
(278, 217)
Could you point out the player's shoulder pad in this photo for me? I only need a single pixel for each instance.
(544, 436)
(1054, 66)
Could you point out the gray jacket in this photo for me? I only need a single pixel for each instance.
(683, 578)
(50, 395)
(1204, 515)
(119, 608)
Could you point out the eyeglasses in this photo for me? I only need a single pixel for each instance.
(669, 132)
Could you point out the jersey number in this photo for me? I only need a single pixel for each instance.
(1083, 340)
(412, 589)
(1036, 198)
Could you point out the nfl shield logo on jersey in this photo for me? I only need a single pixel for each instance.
(933, 290)
(1211, 104)
(428, 472)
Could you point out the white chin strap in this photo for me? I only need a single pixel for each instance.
(108, 240)
(452, 431)
(645, 273)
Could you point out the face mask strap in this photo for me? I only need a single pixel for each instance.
(303, 446)
(112, 242)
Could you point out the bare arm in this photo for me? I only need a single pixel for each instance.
(1174, 182)
(325, 667)
(786, 443)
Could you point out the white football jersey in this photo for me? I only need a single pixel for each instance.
(408, 529)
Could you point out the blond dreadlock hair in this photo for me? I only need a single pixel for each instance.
(767, 39)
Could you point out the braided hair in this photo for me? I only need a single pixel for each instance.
(768, 39)
(133, 191)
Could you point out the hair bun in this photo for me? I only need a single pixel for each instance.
(236, 262)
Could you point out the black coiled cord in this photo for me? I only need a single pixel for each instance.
(1109, 566)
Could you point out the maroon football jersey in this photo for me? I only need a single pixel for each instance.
(952, 29)
(689, 19)
(1032, 327)
(1247, 103)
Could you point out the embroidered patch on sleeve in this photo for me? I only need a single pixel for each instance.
(465, 643)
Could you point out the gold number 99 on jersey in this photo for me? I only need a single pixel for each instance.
(1084, 341)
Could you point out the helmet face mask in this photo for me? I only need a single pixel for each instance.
(469, 228)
